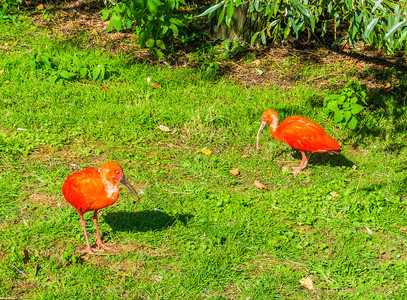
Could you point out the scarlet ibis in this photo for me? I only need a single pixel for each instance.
(93, 189)
(300, 133)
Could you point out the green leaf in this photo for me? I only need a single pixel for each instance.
(150, 43)
(116, 21)
(95, 72)
(254, 37)
(229, 14)
(356, 108)
(127, 23)
(347, 115)
(160, 44)
(152, 7)
(353, 122)
(393, 29)
(174, 29)
(221, 16)
(333, 106)
(263, 37)
(378, 3)
(140, 4)
(77, 61)
(105, 14)
(46, 61)
(287, 31)
(211, 9)
(176, 21)
(338, 116)
(171, 4)
(143, 38)
(67, 75)
(159, 53)
(370, 27)
(333, 96)
(83, 72)
(102, 73)
(109, 27)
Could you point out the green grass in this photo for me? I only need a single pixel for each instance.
(197, 231)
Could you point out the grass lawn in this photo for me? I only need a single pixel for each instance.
(196, 231)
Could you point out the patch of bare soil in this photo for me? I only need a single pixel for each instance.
(71, 19)
(39, 198)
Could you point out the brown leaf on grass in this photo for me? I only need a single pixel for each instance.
(334, 194)
(246, 155)
(307, 283)
(403, 229)
(15, 43)
(1, 72)
(94, 32)
(387, 86)
(26, 256)
(40, 7)
(156, 85)
(235, 172)
(163, 128)
(259, 185)
(256, 62)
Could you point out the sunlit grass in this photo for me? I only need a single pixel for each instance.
(197, 231)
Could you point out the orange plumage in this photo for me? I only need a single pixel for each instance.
(93, 189)
(301, 134)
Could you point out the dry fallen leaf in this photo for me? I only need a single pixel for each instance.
(40, 7)
(388, 85)
(259, 185)
(94, 32)
(307, 283)
(403, 229)
(235, 172)
(1, 72)
(104, 89)
(334, 194)
(163, 128)
(205, 151)
(257, 62)
(15, 43)
(156, 85)
(246, 155)
(26, 256)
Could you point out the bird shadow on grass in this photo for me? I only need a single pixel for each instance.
(142, 221)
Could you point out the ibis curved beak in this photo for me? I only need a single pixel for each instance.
(128, 185)
(263, 124)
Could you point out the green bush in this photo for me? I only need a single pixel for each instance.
(9, 10)
(382, 24)
(154, 21)
(70, 67)
(345, 106)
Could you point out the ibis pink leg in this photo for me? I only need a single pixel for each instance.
(98, 239)
(88, 248)
(304, 162)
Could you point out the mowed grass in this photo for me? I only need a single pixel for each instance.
(196, 231)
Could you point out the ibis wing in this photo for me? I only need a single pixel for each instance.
(304, 134)
(84, 190)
